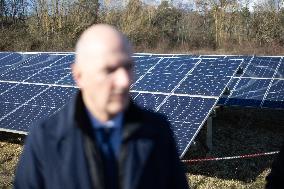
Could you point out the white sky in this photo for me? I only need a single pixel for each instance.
(185, 3)
(190, 3)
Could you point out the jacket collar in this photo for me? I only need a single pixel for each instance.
(132, 124)
(138, 135)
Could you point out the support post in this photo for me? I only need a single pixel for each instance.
(209, 142)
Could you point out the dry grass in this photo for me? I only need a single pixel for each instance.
(11, 146)
(235, 131)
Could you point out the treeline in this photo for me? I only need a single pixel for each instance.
(225, 26)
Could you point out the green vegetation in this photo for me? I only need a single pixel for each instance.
(222, 26)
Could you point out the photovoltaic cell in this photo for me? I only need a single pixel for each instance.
(28, 68)
(165, 83)
(248, 92)
(220, 68)
(246, 61)
(6, 108)
(280, 72)
(209, 78)
(22, 118)
(186, 56)
(206, 86)
(230, 86)
(4, 87)
(67, 80)
(164, 76)
(65, 61)
(213, 56)
(9, 62)
(186, 115)
(12, 59)
(181, 108)
(54, 97)
(4, 54)
(49, 76)
(142, 65)
(275, 96)
(257, 81)
(262, 67)
(54, 73)
(20, 93)
(147, 100)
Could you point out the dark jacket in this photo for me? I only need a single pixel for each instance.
(275, 178)
(61, 152)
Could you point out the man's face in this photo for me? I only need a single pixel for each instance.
(105, 80)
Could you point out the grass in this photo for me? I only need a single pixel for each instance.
(11, 146)
(235, 132)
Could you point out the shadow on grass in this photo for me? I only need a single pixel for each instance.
(12, 138)
(238, 132)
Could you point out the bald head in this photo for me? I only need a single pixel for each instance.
(101, 40)
(103, 70)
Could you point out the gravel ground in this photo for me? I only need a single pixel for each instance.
(235, 132)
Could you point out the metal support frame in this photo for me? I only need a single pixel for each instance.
(209, 142)
(209, 133)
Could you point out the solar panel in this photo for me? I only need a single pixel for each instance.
(6, 107)
(34, 101)
(27, 68)
(213, 56)
(20, 93)
(275, 96)
(5, 87)
(209, 78)
(144, 64)
(164, 76)
(183, 87)
(262, 67)
(148, 100)
(185, 109)
(280, 72)
(256, 87)
(55, 97)
(52, 73)
(12, 60)
(247, 92)
(186, 115)
(19, 119)
(206, 86)
(36, 85)
(4, 54)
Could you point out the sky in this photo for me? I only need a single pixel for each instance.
(190, 3)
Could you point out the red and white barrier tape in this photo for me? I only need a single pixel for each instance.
(228, 158)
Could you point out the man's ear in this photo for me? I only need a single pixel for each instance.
(76, 73)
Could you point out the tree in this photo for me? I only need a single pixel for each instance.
(166, 20)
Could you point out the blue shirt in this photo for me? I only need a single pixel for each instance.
(116, 124)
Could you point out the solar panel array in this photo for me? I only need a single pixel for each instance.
(30, 88)
(184, 87)
(260, 85)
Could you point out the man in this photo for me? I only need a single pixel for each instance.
(101, 139)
